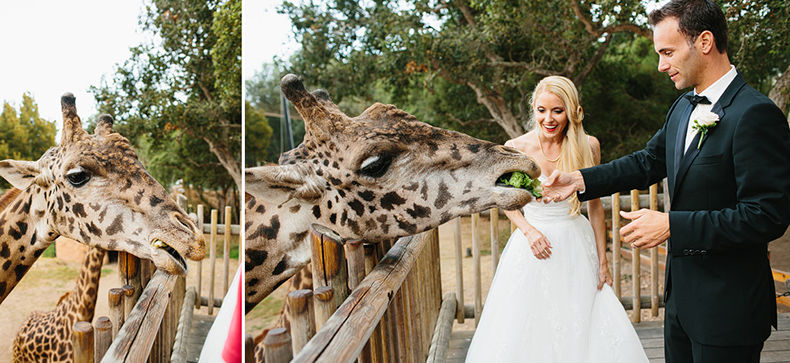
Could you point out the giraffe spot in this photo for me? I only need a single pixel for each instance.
(5, 252)
(474, 148)
(154, 200)
(102, 214)
(6, 265)
(419, 211)
(268, 232)
(390, 200)
(254, 258)
(342, 193)
(412, 187)
(95, 206)
(19, 232)
(127, 185)
(367, 195)
(85, 238)
(261, 209)
(318, 172)
(385, 227)
(252, 282)
(357, 206)
(328, 204)
(344, 218)
(2, 288)
(371, 208)
(335, 165)
(247, 225)
(67, 197)
(94, 230)
(280, 267)
(79, 210)
(443, 197)
(455, 154)
(317, 211)
(335, 181)
(298, 236)
(60, 202)
(138, 197)
(33, 239)
(20, 271)
(354, 226)
(37, 253)
(406, 226)
(424, 191)
(470, 203)
(333, 218)
(116, 226)
(295, 209)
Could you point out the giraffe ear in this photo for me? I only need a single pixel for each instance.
(19, 173)
(278, 183)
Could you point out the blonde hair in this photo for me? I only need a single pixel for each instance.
(576, 152)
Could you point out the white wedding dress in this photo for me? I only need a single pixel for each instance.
(551, 310)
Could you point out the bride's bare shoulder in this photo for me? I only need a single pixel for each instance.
(522, 142)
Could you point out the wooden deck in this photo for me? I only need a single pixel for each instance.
(776, 349)
(197, 335)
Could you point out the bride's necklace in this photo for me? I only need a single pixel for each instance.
(544, 154)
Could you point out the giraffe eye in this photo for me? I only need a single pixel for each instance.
(78, 177)
(375, 166)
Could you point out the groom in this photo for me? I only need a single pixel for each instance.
(729, 183)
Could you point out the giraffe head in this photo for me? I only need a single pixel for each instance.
(383, 174)
(93, 188)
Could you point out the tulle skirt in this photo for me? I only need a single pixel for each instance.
(551, 310)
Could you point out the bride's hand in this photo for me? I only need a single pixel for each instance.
(604, 276)
(539, 244)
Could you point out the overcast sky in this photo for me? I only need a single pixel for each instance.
(50, 47)
(265, 34)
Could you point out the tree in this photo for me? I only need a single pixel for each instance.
(760, 45)
(185, 88)
(496, 49)
(257, 135)
(24, 135)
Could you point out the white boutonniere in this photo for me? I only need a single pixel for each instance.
(703, 123)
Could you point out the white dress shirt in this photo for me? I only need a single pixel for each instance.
(713, 93)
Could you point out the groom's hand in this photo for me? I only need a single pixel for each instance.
(561, 185)
(648, 228)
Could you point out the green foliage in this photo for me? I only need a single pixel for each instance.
(519, 179)
(180, 97)
(257, 135)
(759, 42)
(24, 135)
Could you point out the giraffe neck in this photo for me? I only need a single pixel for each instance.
(80, 303)
(277, 245)
(20, 245)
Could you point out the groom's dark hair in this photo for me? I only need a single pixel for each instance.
(695, 17)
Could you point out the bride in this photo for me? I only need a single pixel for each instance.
(551, 298)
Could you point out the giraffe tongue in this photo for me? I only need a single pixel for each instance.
(172, 251)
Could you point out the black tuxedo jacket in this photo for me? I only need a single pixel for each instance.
(728, 200)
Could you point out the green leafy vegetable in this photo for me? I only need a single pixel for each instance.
(521, 180)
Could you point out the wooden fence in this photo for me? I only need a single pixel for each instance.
(153, 323)
(614, 204)
(371, 302)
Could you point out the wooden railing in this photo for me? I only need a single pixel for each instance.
(152, 323)
(389, 315)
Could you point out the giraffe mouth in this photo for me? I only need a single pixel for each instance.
(520, 180)
(159, 244)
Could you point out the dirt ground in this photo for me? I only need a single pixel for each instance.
(49, 278)
(267, 312)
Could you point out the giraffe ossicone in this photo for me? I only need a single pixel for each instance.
(93, 189)
(380, 175)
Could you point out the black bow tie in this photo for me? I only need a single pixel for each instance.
(695, 100)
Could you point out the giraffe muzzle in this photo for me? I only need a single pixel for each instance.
(159, 244)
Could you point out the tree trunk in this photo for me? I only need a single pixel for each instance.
(498, 108)
(780, 92)
(227, 160)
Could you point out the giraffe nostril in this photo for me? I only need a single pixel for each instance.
(184, 221)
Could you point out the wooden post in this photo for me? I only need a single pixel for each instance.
(82, 340)
(129, 272)
(129, 299)
(636, 268)
(212, 259)
(278, 346)
(324, 305)
(494, 216)
(376, 339)
(443, 331)
(302, 318)
(329, 262)
(249, 349)
(459, 271)
(654, 259)
(616, 245)
(355, 256)
(226, 252)
(117, 315)
(476, 268)
(102, 337)
(199, 283)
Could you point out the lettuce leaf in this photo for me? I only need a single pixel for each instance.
(521, 180)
